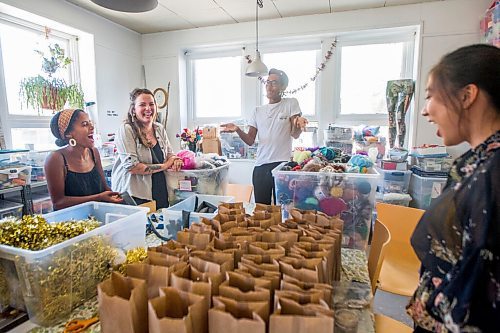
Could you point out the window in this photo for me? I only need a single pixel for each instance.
(365, 66)
(22, 124)
(299, 66)
(216, 87)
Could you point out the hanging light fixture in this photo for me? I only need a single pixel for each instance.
(257, 67)
(128, 6)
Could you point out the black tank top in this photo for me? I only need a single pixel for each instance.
(80, 184)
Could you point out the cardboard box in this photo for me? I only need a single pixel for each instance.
(210, 132)
(211, 146)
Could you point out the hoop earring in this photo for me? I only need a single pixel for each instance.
(72, 142)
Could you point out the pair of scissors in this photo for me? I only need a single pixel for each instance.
(79, 325)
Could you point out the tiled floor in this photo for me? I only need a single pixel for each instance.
(392, 305)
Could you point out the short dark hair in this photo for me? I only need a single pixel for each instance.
(477, 64)
(54, 127)
(282, 75)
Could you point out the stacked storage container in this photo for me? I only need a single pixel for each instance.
(430, 170)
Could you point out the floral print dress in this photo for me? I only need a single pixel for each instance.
(458, 243)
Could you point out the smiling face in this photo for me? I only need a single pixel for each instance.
(443, 115)
(82, 130)
(145, 109)
(273, 88)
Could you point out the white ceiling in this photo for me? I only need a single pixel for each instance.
(186, 14)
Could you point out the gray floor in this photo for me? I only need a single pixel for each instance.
(392, 305)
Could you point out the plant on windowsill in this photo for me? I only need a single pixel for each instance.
(47, 92)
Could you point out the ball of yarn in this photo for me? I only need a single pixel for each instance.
(364, 187)
(332, 206)
(328, 153)
(188, 158)
(336, 192)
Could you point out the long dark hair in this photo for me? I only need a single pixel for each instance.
(477, 64)
(132, 121)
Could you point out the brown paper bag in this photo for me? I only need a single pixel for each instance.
(123, 305)
(289, 283)
(176, 311)
(274, 210)
(301, 297)
(274, 237)
(231, 211)
(290, 318)
(242, 288)
(309, 250)
(232, 316)
(307, 270)
(272, 250)
(224, 260)
(237, 249)
(240, 234)
(206, 271)
(199, 240)
(184, 279)
(334, 241)
(263, 262)
(173, 248)
(155, 276)
(162, 259)
(260, 223)
(256, 272)
(231, 205)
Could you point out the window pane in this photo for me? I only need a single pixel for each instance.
(365, 70)
(300, 66)
(217, 87)
(40, 138)
(20, 61)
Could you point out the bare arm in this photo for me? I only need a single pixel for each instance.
(55, 175)
(298, 124)
(248, 138)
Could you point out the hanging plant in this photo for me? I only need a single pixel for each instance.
(47, 92)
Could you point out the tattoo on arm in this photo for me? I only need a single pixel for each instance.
(152, 168)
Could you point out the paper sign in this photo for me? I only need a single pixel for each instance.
(185, 185)
(436, 190)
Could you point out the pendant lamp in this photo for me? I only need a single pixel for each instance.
(257, 67)
(128, 6)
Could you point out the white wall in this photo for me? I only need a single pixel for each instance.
(118, 55)
(446, 25)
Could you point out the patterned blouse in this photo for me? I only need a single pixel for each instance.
(458, 243)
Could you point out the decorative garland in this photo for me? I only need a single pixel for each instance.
(320, 68)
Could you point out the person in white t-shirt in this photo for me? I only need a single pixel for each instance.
(274, 124)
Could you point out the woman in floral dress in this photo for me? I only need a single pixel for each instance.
(458, 238)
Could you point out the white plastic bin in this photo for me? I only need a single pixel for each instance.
(68, 272)
(348, 195)
(183, 184)
(425, 189)
(172, 216)
(10, 209)
(432, 164)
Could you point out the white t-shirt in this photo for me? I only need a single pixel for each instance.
(274, 130)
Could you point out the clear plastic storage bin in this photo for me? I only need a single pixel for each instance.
(172, 216)
(183, 184)
(430, 164)
(59, 278)
(425, 189)
(348, 195)
(394, 181)
(10, 209)
(14, 176)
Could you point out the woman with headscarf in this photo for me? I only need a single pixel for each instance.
(74, 173)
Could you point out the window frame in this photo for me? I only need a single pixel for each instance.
(190, 57)
(291, 46)
(407, 35)
(10, 121)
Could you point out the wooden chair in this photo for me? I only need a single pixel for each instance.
(385, 324)
(381, 237)
(240, 192)
(400, 269)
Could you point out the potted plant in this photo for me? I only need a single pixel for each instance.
(47, 92)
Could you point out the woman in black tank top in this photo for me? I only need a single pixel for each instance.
(74, 173)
